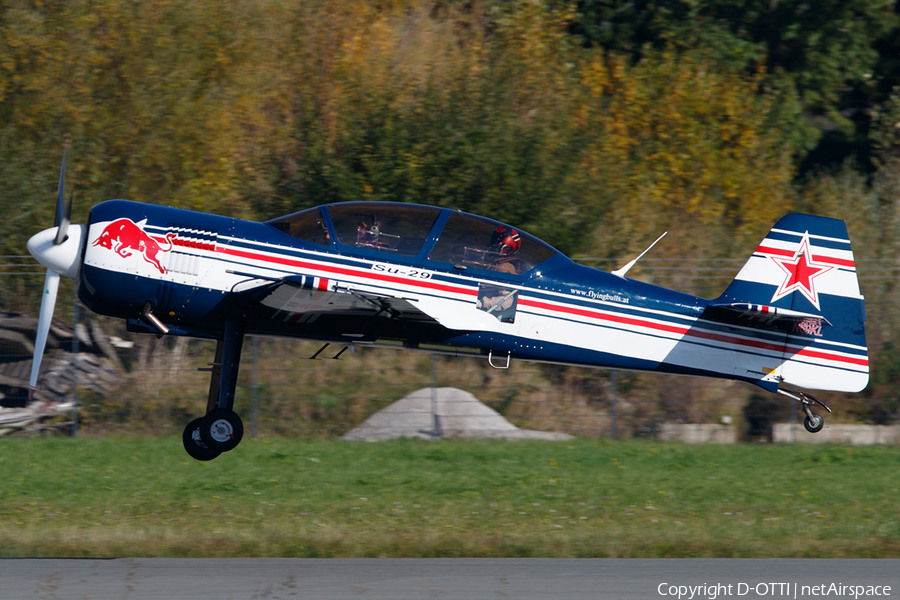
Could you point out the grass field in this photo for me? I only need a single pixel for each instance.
(329, 498)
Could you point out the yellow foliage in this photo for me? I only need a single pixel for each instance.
(257, 107)
(682, 145)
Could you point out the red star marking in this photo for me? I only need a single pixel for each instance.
(800, 273)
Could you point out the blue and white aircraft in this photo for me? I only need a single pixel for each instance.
(439, 280)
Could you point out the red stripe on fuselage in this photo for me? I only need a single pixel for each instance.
(696, 333)
(190, 244)
(621, 319)
(573, 310)
(336, 270)
(184, 243)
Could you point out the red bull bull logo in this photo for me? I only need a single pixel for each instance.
(125, 237)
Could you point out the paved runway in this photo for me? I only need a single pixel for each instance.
(469, 579)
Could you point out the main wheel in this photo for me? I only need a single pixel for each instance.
(194, 445)
(815, 424)
(221, 429)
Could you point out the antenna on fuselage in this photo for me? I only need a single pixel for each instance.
(621, 272)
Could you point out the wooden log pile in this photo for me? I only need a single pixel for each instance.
(37, 418)
(84, 356)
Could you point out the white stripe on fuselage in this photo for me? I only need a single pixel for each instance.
(544, 316)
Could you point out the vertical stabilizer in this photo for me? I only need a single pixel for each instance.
(805, 268)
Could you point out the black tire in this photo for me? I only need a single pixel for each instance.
(221, 429)
(194, 445)
(814, 425)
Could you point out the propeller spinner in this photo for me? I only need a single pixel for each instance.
(58, 249)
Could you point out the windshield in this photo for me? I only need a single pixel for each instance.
(306, 225)
(468, 240)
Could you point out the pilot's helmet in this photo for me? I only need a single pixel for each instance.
(371, 224)
(505, 240)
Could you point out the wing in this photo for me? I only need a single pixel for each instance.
(302, 298)
(304, 295)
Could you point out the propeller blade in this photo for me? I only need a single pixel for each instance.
(48, 303)
(63, 230)
(61, 193)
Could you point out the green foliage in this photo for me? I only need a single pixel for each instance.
(822, 50)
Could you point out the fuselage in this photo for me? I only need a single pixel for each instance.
(199, 270)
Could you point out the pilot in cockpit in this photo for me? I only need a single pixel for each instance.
(370, 234)
(368, 231)
(503, 245)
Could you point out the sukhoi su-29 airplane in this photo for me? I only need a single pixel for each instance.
(426, 278)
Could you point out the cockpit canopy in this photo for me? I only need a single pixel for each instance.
(396, 228)
(470, 240)
(411, 230)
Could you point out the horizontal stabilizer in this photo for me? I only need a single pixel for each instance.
(771, 313)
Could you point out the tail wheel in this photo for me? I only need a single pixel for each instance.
(221, 429)
(813, 423)
(194, 445)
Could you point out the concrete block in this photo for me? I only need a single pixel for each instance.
(698, 433)
(852, 435)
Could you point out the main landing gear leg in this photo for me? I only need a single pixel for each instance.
(812, 422)
(221, 429)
